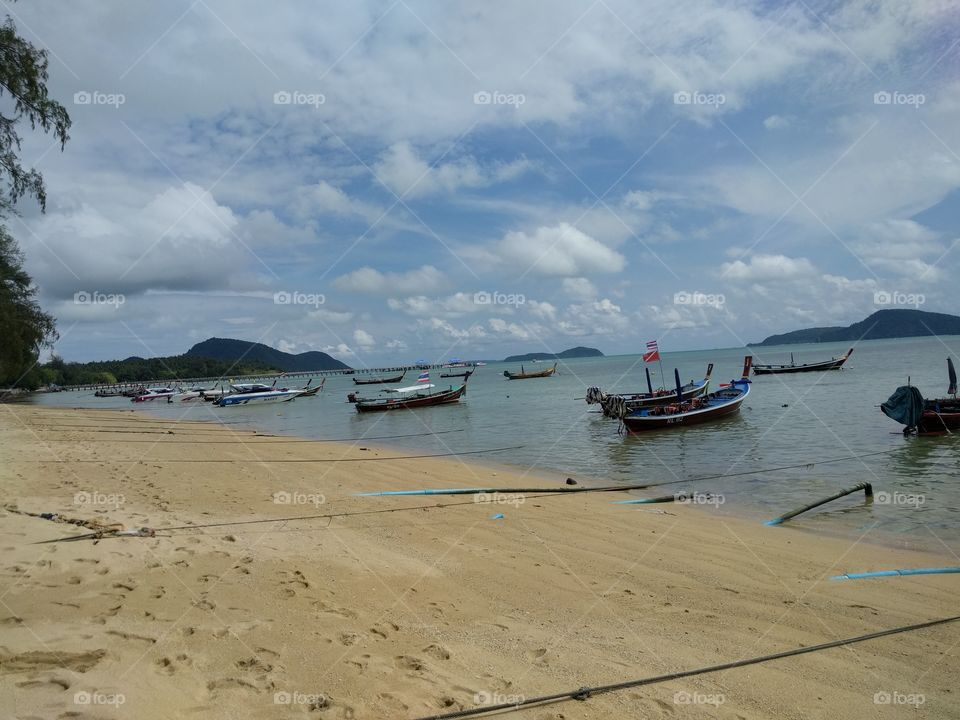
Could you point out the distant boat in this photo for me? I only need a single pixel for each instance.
(925, 417)
(466, 374)
(154, 394)
(523, 375)
(716, 405)
(619, 404)
(410, 398)
(832, 364)
(379, 380)
(108, 393)
(307, 391)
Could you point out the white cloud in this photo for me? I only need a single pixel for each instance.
(768, 267)
(373, 282)
(579, 288)
(775, 122)
(560, 250)
(363, 339)
(407, 175)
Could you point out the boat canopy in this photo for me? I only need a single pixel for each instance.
(411, 388)
(905, 406)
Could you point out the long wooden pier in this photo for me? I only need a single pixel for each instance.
(129, 385)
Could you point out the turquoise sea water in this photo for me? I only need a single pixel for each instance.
(787, 420)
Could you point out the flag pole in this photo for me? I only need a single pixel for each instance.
(663, 381)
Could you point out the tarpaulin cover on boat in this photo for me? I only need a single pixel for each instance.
(905, 406)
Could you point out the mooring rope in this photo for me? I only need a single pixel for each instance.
(287, 460)
(585, 693)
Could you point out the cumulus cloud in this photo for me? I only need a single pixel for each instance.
(561, 250)
(403, 171)
(363, 339)
(768, 267)
(374, 282)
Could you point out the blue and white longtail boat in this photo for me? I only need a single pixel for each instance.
(716, 405)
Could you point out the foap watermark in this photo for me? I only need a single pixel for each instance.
(686, 497)
(98, 498)
(499, 298)
(913, 500)
(282, 497)
(895, 297)
(98, 698)
(485, 97)
(895, 697)
(714, 300)
(317, 701)
(297, 97)
(95, 297)
(485, 697)
(683, 697)
(895, 97)
(686, 97)
(298, 298)
(86, 97)
(498, 498)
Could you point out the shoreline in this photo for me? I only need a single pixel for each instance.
(493, 462)
(402, 613)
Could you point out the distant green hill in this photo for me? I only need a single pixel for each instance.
(883, 324)
(251, 352)
(138, 369)
(577, 352)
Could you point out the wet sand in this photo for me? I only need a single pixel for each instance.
(422, 609)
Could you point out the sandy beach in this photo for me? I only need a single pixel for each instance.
(420, 610)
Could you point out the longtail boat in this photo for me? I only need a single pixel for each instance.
(307, 391)
(714, 406)
(379, 380)
(832, 364)
(409, 398)
(619, 404)
(466, 374)
(523, 375)
(925, 417)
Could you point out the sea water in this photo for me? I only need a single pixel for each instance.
(788, 420)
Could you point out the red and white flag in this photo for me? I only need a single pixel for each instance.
(424, 377)
(652, 353)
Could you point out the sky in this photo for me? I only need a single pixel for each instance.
(401, 180)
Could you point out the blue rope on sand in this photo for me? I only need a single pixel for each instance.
(895, 573)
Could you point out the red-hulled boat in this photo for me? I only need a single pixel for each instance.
(925, 417)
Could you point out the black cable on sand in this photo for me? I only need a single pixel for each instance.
(585, 693)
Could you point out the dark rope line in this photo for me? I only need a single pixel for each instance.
(584, 693)
(642, 486)
(289, 460)
(271, 442)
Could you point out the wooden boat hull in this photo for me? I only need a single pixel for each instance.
(642, 421)
(833, 364)
(645, 400)
(529, 376)
(457, 375)
(444, 397)
(378, 381)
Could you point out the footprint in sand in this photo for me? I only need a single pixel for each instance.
(45, 660)
(409, 662)
(230, 683)
(132, 636)
(437, 651)
(44, 684)
(348, 638)
(325, 607)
